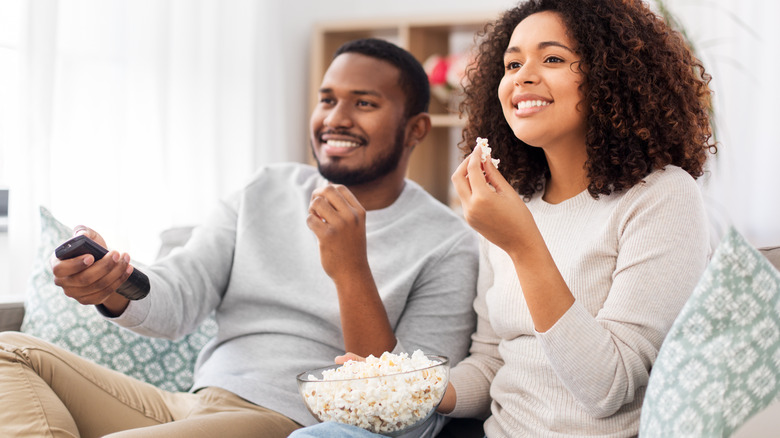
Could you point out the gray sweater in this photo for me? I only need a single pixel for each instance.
(256, 264)
(631, 260)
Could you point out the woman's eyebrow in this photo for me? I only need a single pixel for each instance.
(540, 46)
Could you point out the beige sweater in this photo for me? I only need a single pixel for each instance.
(631, 260)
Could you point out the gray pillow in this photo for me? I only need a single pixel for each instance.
(52, 316)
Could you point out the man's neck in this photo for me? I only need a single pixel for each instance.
(378, 194)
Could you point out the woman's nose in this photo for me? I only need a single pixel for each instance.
(527, 74)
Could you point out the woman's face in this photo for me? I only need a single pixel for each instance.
(539, 92)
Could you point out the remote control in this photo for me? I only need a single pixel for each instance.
(134, 288)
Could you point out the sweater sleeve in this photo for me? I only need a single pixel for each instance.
(187, 285)
(473, 376)
(662, 251)
(438, 316)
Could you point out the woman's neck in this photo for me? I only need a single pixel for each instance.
(567, 175)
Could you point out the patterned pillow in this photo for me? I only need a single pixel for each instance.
(720, 363)
(52, 316)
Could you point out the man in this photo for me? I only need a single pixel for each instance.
(298, 266)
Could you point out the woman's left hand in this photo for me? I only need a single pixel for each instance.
(491, 205)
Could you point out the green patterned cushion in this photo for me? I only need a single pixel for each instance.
(52, 316)
(720, 363)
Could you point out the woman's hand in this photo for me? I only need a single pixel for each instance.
(491, 206)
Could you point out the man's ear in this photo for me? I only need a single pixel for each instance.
(417, 127)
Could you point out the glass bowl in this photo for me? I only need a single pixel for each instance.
(390, 404)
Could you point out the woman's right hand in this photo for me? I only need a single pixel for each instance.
(491, 205)
(92, 282)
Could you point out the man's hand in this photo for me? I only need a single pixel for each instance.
(93, 282)
(339, 222)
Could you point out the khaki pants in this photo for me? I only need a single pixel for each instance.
(46, 391)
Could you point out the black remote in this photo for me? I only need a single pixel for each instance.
(134, 288)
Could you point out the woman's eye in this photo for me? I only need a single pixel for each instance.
(513, 65)
(553, 59)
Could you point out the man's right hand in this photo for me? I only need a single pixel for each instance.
(93, 282)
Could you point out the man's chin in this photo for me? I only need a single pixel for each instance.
(342, 177)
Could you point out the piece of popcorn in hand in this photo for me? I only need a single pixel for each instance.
(482, 143)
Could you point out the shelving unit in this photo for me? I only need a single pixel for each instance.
(434, 160)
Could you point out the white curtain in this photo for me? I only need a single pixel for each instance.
(138, 115)
(739, 42)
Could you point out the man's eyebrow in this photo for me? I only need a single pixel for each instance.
(355, 92)
(542, 45)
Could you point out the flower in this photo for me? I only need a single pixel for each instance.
(446, 74)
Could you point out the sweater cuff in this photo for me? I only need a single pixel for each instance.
(135, 313)
(472, 392)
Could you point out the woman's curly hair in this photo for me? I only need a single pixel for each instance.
(646, 96)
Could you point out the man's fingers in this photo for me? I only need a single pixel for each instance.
(348, 197)
(321, 208)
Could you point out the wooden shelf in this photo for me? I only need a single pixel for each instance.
(432, 162)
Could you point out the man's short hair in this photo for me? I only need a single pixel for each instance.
(412, 77)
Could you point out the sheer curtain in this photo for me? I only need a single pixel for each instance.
(137, 115)
(739, 42)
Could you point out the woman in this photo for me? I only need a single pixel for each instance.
(594, 233)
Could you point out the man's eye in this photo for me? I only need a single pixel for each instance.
(327, 100)
(365, 104)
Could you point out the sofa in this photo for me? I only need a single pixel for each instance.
(45, 312)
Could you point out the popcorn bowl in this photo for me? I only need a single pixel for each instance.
(379, 398)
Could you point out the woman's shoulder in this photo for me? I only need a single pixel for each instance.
(668, 180)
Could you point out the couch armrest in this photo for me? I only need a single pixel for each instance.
(11, 312)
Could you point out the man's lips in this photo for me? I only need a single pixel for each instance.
(340, 144)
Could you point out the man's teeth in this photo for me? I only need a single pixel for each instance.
(531, 103)
(342, 144)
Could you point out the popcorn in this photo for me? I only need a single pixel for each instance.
(381, 395)
(486, 150)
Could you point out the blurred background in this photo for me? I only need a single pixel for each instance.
(134, 116)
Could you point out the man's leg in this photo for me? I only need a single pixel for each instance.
(215, 412)
(48, 391)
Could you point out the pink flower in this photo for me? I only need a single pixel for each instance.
(436, 67)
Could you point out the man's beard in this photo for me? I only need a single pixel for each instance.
(379, 167)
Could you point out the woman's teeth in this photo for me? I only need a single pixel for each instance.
(531, 103)
(342, 144)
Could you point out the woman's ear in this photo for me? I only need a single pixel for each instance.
(417, 127)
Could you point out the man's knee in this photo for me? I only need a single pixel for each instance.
(14, 341)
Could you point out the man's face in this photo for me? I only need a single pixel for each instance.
(358, 126)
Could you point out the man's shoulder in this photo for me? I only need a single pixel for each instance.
(283, 175)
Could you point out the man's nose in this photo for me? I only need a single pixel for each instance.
(338, 116)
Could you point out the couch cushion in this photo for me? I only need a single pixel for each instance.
(52, 316)
(719, 364)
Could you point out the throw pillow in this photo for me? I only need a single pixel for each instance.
(52, 316)
(720, 363)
